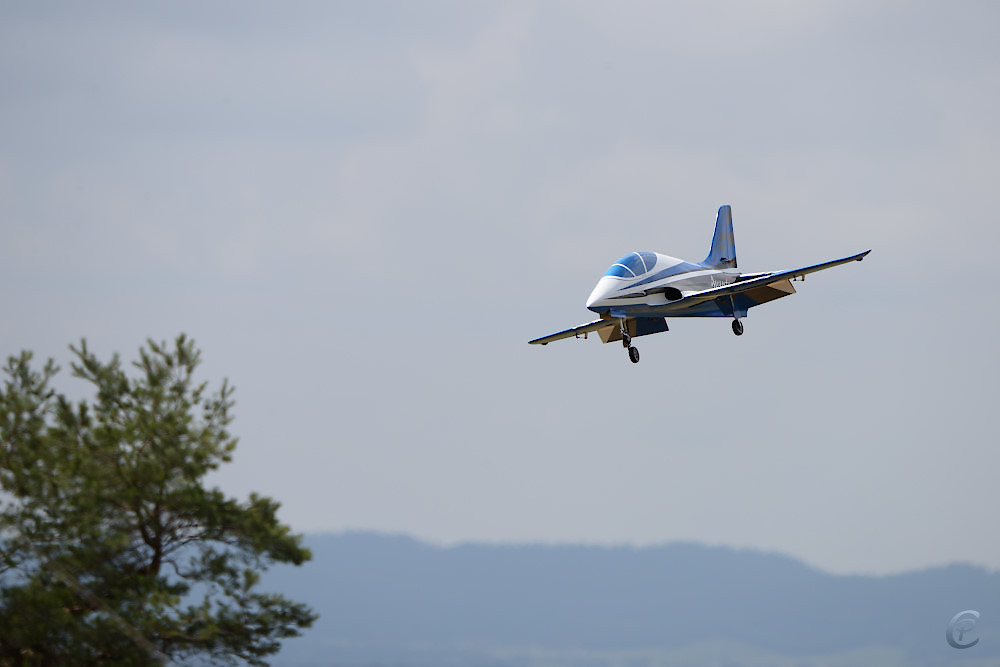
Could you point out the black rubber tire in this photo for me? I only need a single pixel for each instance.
(633, 354)
(737, 327)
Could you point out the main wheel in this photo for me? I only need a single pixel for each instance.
(626, 341)
(633, 354)
(737, 327)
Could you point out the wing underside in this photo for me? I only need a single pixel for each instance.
(609, 329)
(576, 332)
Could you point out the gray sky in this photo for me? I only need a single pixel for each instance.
(363, 211)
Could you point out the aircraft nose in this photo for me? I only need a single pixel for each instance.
(600, 292)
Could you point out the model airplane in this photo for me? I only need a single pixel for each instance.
(642, 289)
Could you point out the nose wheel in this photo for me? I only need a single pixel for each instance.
(633, 353)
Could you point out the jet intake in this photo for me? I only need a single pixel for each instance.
(672, 293)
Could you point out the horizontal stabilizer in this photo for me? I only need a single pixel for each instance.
(636, 326)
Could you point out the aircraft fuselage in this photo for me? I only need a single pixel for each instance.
(658, 290)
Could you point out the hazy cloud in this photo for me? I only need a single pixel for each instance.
(363, 212)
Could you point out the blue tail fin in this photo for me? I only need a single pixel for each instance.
(723, 252)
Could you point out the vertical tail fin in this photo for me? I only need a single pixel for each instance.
(723, 252)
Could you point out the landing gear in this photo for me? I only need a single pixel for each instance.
(737, 325)
(633, 354)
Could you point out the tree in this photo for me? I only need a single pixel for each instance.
(112, 551)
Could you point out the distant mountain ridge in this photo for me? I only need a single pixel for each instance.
(391, 600)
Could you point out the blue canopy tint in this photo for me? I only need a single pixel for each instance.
(633, 265)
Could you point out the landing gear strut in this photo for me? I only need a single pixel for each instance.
(633, 353)
(737, 325)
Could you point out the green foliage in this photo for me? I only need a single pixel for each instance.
(111, 549)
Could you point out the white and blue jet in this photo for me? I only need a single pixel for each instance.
(642, 289)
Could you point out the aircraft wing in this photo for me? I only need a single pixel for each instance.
(575, 331)
(766, 279)
(760, 280)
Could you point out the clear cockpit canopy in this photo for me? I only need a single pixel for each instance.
(633, 265)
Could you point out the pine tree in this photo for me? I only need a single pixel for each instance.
(112, 550)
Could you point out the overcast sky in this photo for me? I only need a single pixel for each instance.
(362, 211)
